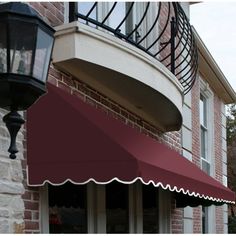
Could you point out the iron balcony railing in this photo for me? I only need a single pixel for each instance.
(160, 29)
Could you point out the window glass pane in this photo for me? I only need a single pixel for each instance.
(21, 47)
(67, 209)
(42, 55)
(204, 220)
(117, 208)
(3, 49)
(84, 8)
(118, 14)
(150, 209)
(203, 143)
(205, 166)
(203, 118)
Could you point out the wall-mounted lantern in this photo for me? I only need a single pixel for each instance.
(26, 43)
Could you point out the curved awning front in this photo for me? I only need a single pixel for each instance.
(68, 139)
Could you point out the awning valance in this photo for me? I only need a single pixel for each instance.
(68, 139)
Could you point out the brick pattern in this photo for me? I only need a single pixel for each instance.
(196, 124)
(197, 223)
(109, 107)
(218, 139)
(177, 220)
(218, 158)
(219, 219)
(30, 198)
(197, 220)
(166, 36)
(52, 12)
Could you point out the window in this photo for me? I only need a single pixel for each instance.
(117, 208)
(206, 147)
(84, 8)
(150, 209)
(67, 209)
(125, 17)
(205, 165)
(205, 215)
(110, 208)
(205, 160)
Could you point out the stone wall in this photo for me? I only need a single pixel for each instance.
(11, 187)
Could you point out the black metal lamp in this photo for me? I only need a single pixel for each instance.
(26, 43)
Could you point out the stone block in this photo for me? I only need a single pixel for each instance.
(11, 187)
(187, 138)
(5, 200)
(17, 204)
(187, 117)
(4, 226)
(4, 169)
(4, 145)
(16, 171)
(4, 213)
(18, 214)
(224, 169)
(187, 155)
(4, 132)
(188, 99)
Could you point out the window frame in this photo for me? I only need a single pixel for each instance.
(208, 94)
(96, 209)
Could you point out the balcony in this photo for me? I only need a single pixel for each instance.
(142, 55)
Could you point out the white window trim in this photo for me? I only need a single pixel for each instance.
(44, 209)
(209, 95)
(164, 211)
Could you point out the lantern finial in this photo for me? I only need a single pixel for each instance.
(13, 122)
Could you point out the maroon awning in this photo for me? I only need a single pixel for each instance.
(68, 139)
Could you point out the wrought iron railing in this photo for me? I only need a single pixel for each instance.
(168, 37)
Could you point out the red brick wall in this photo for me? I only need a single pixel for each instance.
(177, 220)
(91, 96)
(218, 158)
(197, 223)
(218, 139)
(52, 12)
(30, 198)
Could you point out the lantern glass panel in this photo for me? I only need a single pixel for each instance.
(3, 49)
(42, 55)
(22, 43)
